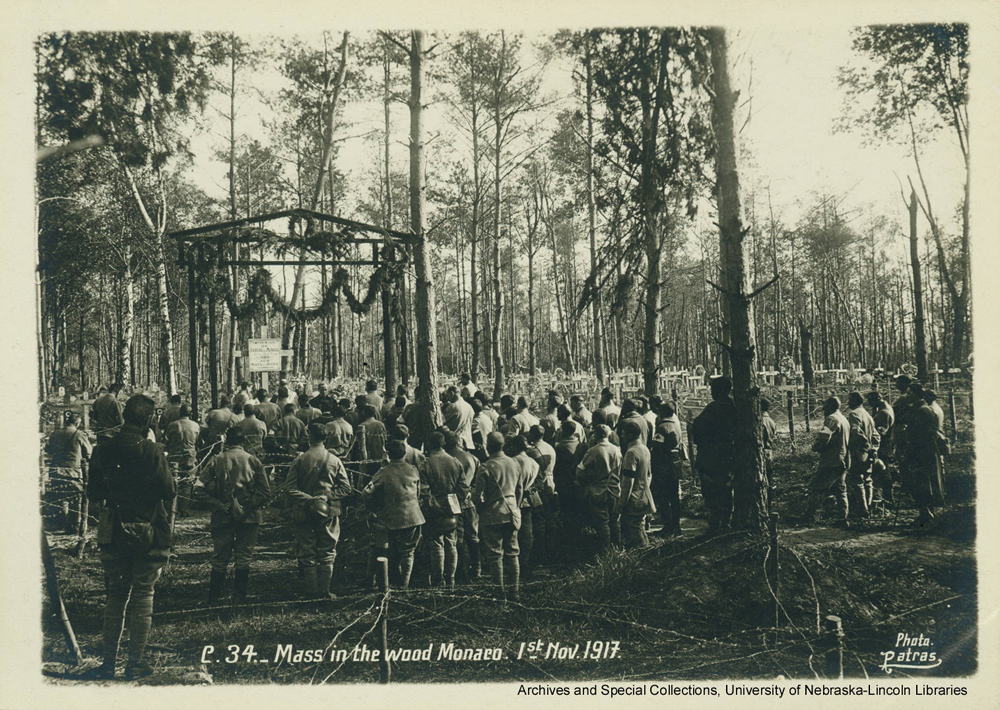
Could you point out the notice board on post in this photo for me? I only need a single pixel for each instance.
(264, 354)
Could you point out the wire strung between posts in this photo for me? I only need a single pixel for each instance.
(381, 611)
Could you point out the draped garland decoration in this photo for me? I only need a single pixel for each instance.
(260, 291)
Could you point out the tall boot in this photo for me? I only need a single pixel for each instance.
(114, 622)
(309, 574)
(437, 565)
(215, 584)
(475, 566)
(240, 584)
(405, 569)
(869, 492)
(513, 573)
(496, 571)
(324, 573)
(140, 621)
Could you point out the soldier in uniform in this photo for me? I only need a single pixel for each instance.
(545, 516)
(636, 500)
(667, 454)
(569, 451)
(67, 448)
(317, 482)
(373, 398)
(218, 421)
(181, 439)
(339, 434)
(597, 475)
(131, 476)
(610, 409)
(468, 384)
(108, 413)
(834, 459)
(289, 434)
(241, 398)
(884, 418)
(580, 409)
(254, 430)
(920, 470)
(517, 449)
(769, 434)
(497, 495)
(393, 495)
(713, 432)
(443, 489)
(267, 411)
(235, 488)
(468, 526)
(862, 445)
(459, 416)
(171, 413)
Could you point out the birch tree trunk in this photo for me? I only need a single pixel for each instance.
(749, 486)
(918, 293)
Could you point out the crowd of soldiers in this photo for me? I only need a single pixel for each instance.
(486, 490)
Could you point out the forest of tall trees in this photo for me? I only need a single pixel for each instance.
(567, 198)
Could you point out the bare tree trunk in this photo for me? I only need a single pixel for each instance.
(128, 319)
(425, 307)
(749, 486)
(598, 335)
(333, 87)
(498, 359)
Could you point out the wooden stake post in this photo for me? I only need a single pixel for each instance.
(791, 418)
(384, 668)
(52, 585)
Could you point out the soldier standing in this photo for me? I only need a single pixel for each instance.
(498, 493)
(468, 525)
(67, 448)
(393, 495)
(131, 476)
(181, 439)
(712, 432)
(108, 413)
(667, 454)
(317, 482)
(884, 418)
(832, 446)
(769, 433)
(636, 500)
(862, 445)
(598, 478)
(236, 489)
(443, 489)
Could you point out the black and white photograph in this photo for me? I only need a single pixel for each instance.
(598, 359)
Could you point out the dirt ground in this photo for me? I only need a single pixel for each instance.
(688, 608)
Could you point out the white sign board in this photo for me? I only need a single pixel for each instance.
(264, 355)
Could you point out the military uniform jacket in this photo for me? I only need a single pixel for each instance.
(498, 490)
(375, 438)
(440, 476)
(611, 413)
(529, 474)
(66, 447)
(107, 414)
(667, 446)
(339, 435)
(831, 442)
(636, 465)
(130, 473)
(458, 417)
(639, 421)
(217, 422)
(289, 432)
(397, 486)
(864, 438)
(470, 465)
(884, 418)
(712, 432)
(768, 431)
(181, 439)
(600, 469)
(238, 475)
(170, 415)
(254, 431)
(269, 413)
(545, 455)
(316, 472)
